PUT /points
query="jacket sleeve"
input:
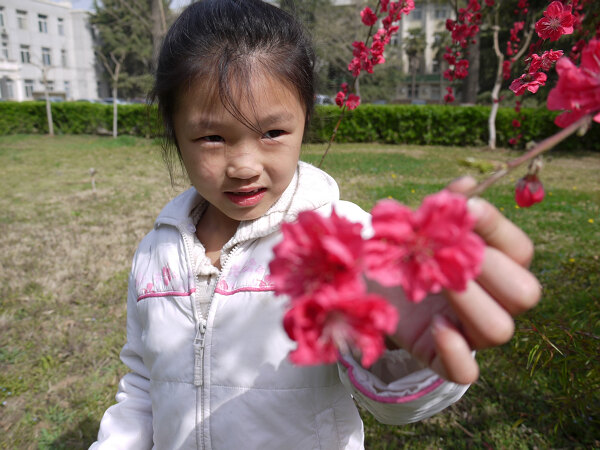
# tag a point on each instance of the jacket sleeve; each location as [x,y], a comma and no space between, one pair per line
[397,389]
[128,423]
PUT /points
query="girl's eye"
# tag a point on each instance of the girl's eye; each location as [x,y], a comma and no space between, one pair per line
[272,134]
[211,138]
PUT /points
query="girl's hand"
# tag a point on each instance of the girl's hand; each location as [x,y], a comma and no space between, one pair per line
[443,330]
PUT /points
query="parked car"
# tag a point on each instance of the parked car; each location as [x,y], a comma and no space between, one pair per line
[109,101]
[321,99]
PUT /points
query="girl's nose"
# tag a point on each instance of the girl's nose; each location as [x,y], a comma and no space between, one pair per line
[243,164]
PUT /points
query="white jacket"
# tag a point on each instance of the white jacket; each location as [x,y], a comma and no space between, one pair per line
[225,382]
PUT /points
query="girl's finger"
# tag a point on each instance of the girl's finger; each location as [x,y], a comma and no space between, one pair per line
[514,287]
[484,322]
[493,227]
[499,232]
[454,359]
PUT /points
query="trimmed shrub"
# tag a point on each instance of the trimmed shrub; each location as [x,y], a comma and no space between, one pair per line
[392,124]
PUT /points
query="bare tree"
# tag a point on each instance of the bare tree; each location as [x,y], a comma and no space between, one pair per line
[499,72]
[113,70]
[44,69]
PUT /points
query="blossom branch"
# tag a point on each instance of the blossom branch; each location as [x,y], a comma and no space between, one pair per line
[344,106]
[537,150]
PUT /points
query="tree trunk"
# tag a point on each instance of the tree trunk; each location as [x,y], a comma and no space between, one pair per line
[495,105]
[115,110]
[470,85]
[159,28]
[48,106]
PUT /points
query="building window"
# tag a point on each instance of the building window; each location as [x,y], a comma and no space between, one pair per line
[49,85]
[440,12]
[435,92]
[61,26]
[7,89]
[22,19]
[46,59]
[2,16]
[435,66]
[63,57]
[4,54]
[28,88]
[410,91]
[417,13]
[25,55]
[43,23]
[67,89]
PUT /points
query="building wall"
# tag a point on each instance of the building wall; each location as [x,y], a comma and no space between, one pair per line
[38,36]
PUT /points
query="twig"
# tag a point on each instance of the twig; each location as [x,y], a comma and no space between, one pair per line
[354,85]
[538,149]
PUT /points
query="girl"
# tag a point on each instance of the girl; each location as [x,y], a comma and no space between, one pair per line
[205,342]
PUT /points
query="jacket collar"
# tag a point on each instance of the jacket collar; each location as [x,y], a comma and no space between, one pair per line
[310,188]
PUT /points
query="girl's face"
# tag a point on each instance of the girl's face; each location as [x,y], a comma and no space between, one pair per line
[239,171]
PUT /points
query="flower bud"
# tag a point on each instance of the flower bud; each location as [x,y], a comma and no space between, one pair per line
[529,191]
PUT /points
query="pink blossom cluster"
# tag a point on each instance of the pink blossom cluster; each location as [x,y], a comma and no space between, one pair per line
[344,98]
[556,21]
[463,30]
[365,56]
[577,92]
[321,263]
[516,123]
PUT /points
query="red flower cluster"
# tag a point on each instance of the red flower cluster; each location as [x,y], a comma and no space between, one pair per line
[463,30]
[557,21]
[321,263]
[366,57]
[528,82]
[426,250]
[529,191]
[343,98]
[578,89]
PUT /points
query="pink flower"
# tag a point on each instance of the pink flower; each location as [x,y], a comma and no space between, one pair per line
[461,70]
[318,252]
[545,61]
[368,17]
[557,21]
[578,89]
[327,322]
[426,250]
[528,191]
[353,101]
[490,3]
[516,123]
[528,82]
[354,66]
[506,67]
[340,98]
[449,97]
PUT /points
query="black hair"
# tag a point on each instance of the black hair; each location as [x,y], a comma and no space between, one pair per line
[225,42]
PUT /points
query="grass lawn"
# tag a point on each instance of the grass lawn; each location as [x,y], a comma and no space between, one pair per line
[65,252]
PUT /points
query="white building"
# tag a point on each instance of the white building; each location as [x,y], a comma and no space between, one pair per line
[40,36]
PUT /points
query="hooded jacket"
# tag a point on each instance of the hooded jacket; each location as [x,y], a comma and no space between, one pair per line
[224,381]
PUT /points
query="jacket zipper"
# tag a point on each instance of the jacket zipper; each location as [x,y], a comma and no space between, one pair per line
[199,347]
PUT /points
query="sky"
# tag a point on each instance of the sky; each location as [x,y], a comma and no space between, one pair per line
[89,4]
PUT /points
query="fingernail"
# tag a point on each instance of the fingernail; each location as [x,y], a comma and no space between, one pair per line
[475,206]
[439,323]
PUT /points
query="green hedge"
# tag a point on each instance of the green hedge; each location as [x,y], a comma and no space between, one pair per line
[393,124]
[73,118]
[441,125]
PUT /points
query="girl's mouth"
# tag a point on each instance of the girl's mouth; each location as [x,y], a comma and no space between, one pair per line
[250,198]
